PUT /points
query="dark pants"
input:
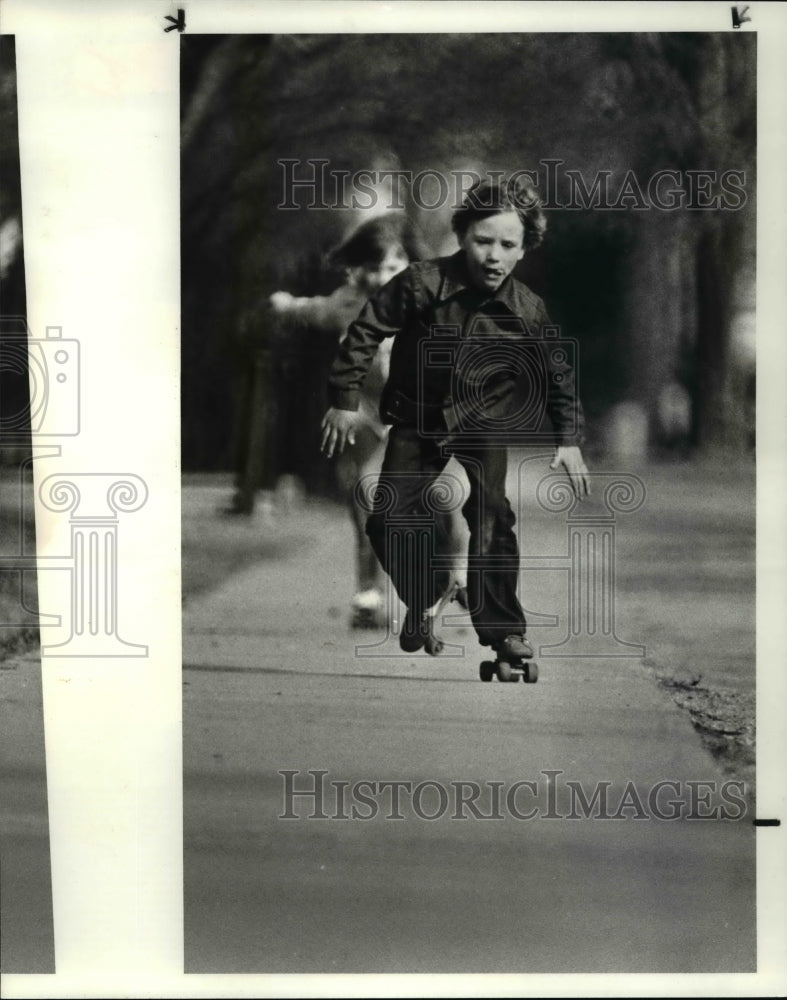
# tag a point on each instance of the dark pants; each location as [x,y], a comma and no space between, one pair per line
[405,529]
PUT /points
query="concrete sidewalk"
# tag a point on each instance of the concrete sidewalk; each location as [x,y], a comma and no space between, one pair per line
[26,926]
[274,681]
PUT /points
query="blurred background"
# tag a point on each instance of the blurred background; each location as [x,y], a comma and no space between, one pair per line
[12,278]
[14,389]
[26,922]
[661,302]
[17,529]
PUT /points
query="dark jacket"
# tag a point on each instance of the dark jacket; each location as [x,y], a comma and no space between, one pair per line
[462,359]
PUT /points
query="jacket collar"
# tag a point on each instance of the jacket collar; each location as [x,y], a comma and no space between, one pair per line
[456,280]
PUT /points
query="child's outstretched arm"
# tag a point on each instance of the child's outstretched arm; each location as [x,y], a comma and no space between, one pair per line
[568,420]
[324,313]
[570,457]
[338,429]
[382,316]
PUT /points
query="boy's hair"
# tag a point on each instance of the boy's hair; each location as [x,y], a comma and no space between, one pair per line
[368,244]
[489,197]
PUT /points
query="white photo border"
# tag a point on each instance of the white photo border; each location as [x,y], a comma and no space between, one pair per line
[99,145]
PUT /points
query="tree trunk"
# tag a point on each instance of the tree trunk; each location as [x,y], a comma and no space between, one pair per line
[722,280]
[655,311]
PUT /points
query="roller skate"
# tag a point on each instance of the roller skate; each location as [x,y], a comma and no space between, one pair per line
[367,610]
[514,660]
[418,631]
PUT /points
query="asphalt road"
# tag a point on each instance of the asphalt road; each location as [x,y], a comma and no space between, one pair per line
[274,682]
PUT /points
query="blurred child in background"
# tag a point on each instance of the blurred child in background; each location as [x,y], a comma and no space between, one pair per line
[373,254]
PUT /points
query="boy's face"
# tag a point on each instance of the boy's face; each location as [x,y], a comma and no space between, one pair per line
[492,247]
[369,279]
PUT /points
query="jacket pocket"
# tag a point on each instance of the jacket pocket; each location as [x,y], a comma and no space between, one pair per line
[398,408]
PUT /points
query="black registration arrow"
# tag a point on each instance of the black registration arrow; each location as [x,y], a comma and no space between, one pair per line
[178,22]
[739,16]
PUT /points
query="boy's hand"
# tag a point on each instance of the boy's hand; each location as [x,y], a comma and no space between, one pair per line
[571,457]
[338,428]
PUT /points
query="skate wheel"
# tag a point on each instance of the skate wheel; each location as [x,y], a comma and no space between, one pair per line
[361,620]
[486,671]
[530,674]
[504,672]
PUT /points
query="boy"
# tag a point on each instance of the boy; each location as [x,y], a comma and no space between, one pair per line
[461,407]
[371,256]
